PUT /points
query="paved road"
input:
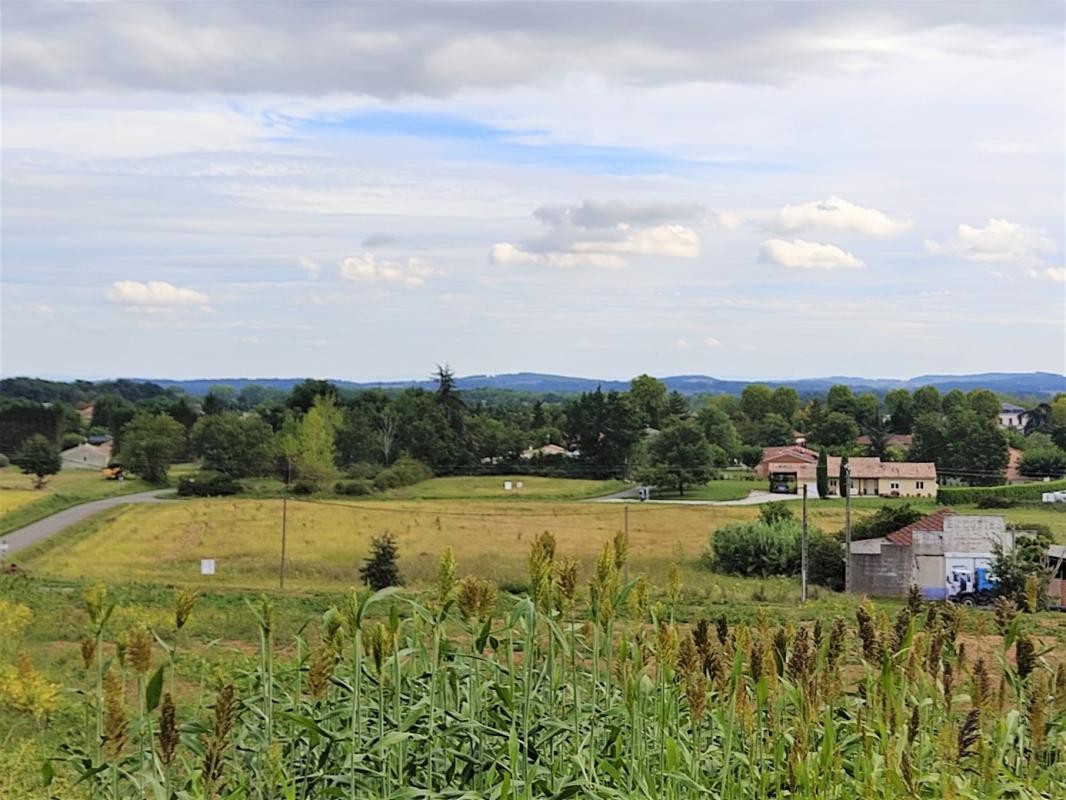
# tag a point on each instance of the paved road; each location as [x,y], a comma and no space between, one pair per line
[754,499]
[42,529]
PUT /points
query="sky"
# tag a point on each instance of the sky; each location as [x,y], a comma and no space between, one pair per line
[362,191]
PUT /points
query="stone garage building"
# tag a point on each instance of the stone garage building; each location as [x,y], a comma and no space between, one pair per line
[926,553]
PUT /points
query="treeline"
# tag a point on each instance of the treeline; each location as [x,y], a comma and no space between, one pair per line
[318,435]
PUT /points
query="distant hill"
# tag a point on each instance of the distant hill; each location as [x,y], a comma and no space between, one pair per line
[1029,384]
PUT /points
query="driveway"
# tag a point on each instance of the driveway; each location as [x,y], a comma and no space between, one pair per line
[43,528]
[754,499]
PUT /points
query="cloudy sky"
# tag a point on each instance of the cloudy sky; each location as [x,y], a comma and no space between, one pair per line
[364,190]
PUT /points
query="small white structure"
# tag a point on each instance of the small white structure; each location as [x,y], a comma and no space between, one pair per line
[1012,416]
[207,566]
[87,456]
[507,486]
[1053,497]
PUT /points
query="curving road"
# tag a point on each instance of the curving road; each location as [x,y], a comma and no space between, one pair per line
[43,528]
[755,498]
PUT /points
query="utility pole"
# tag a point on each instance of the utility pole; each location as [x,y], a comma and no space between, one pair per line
[847,526]
[803,550]
[284,520]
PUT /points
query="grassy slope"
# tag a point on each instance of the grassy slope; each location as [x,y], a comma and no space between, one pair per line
[20,505]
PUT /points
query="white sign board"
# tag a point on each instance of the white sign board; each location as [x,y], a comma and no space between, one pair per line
[519,485]
[207,566]
[507,486]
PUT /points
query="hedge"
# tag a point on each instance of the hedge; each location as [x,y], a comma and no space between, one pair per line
[208,484]
[962,495]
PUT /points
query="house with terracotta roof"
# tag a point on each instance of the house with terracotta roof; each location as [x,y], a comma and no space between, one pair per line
[940,554]
[788,468]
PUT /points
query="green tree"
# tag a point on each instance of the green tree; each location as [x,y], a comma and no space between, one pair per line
[1058,420]
[756,401]
[719,429]
[926,401]
[1043,462]
[237,446]
[303,394]
[649,398]
[313,449]
[450,399]
[679,456]
[786,402]
[841,399]
[381,570]
[954,402]
[843,481]
[150,444]
[606,427]
[676,405]
[775,431]
[867,411]
[977,449]
[930,441]
[900,407]
[836,430]
[219,399]
[1014,567]
[822,473]
[39,457]
[984,403]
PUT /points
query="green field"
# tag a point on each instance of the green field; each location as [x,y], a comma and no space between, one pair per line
[70,487]
[491,487]
[728,489]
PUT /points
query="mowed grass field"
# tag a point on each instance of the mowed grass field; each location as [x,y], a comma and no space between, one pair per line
[728,489]
[492,488]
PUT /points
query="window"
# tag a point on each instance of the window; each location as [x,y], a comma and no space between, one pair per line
[919,485]
[895,485]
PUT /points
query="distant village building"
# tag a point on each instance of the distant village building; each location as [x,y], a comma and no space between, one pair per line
[1012,416]
[547,450]
[87,456]
[941,554]
[789,468]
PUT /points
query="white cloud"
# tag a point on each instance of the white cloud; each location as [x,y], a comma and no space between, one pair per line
[838,214]
[603,234]
[157,296]
[682,344]
[808,255]
[311,267]
[249,340]
[369,269]
[711,343]
[998,240]
[1057,274]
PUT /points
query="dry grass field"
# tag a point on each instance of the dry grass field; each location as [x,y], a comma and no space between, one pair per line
[328,541]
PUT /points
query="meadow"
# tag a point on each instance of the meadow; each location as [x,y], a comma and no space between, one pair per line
[20,504]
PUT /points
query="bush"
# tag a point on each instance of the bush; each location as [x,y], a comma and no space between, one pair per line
[4,461]
[755,548]
[887,519]
[1039,462]
[362,471]
[71,440]
[1018,491]
[304,487]
[380,570]
[406,471]
[825,561]
[775,512]
[208,484]
[357,488]
[995,501]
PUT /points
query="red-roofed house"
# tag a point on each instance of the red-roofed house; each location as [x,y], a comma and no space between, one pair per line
[793,466]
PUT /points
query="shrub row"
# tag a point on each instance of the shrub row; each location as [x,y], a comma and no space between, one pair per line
[955,495]
[208,484]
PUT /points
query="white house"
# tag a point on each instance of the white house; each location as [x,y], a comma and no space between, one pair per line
[1012,416]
